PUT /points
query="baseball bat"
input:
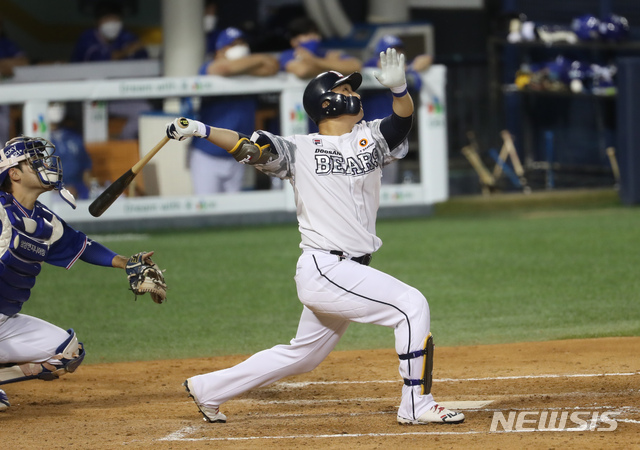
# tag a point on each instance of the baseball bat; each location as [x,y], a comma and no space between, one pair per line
[113,191]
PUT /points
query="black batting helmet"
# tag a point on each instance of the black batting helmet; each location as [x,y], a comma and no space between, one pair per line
[318,91]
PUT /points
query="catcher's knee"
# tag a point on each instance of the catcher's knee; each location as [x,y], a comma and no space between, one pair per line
[70,355]
[427,366]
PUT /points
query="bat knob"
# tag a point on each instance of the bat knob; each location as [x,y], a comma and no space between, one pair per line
[183,122]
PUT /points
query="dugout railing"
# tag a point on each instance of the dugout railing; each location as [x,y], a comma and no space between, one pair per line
[271,205]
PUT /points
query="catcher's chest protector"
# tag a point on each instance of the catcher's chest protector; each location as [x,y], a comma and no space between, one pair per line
[26,238]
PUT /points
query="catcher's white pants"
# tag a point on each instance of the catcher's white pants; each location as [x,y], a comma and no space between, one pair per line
[27,339]
[334,293]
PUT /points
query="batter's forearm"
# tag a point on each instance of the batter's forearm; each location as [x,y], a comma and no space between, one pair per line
[223,138]
[403,106]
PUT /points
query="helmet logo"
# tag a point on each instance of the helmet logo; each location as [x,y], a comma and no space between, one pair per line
[13,151]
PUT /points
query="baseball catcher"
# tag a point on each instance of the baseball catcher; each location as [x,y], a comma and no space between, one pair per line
[31,234]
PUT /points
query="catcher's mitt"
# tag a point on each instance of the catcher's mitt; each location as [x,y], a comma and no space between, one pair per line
[145,276]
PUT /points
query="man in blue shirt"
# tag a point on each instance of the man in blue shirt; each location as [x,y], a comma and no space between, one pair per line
[307,58]
[73,154]
[213,170]
[108,41]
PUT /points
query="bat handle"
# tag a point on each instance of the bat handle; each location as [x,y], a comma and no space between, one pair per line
[140,164]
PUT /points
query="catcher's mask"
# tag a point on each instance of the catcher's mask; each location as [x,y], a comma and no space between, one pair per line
[319,91]
[39,154]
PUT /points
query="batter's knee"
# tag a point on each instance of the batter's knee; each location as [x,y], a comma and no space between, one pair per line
[418,307]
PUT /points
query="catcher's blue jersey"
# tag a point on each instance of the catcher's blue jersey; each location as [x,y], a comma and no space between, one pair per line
[27,239]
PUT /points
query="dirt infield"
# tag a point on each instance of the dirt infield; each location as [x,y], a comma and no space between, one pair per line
[349,401]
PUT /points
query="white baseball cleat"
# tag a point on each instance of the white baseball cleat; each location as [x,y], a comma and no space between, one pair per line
[212,415]
[437,414]
[4,401]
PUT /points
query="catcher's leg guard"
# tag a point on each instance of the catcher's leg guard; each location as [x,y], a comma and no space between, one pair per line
[70,354]
[427,366]
[4,400]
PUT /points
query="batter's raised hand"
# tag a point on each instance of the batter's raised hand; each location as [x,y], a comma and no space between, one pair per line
[183,128]
[391,72]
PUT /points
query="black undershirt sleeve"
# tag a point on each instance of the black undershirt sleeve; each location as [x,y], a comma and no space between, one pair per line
[395,129]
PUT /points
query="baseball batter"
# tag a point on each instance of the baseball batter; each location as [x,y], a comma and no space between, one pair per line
[336,176]
[31,234]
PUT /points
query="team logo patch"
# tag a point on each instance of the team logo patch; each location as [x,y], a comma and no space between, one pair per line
[13,151]
[363,142]
[317,142]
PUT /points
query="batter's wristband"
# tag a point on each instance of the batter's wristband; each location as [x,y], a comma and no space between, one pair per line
[399,91]
[203,130]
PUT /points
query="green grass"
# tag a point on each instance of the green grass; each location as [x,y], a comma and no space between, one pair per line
[507,269]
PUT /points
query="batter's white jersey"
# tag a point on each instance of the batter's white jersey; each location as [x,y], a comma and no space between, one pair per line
[336,180]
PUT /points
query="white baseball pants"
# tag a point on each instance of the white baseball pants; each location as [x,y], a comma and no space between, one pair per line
[334,293]
[27,339]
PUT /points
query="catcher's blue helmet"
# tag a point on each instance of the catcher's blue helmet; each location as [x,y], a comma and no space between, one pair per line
[38,152]
[319,91]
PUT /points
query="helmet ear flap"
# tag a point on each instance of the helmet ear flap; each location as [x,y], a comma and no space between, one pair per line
[333,104]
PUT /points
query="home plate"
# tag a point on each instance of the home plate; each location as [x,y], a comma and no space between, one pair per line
[466,404]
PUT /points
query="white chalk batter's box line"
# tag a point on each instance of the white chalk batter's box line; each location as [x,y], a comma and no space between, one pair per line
[467,405]
[471,406]
[181,435]
[449,380]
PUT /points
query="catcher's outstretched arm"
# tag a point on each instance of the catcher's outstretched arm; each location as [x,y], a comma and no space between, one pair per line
[98,254]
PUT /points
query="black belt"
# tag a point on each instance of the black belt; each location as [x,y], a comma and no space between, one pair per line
[365,260]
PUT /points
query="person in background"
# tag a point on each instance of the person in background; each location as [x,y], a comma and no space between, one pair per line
[109,41]
[307,58]
[379,102]
[210,24]
[418,64]
[213,170]
[72,152]
[10,56]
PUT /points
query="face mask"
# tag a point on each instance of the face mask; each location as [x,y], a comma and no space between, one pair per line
[209,23]
[237,52]
[110,30]
[55,112]
[312,45]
